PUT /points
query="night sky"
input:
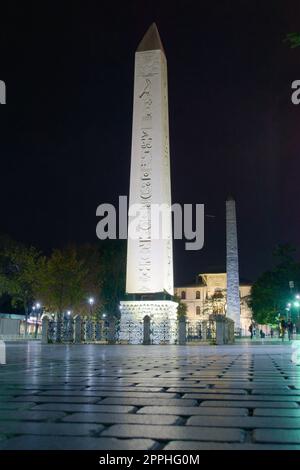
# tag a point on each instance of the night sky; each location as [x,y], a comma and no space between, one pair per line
[65,133]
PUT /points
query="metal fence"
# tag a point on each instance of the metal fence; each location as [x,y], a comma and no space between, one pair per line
[216,330]
[200,331]
[79,330]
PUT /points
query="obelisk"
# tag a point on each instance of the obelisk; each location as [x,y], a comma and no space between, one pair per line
[150,315]
[232,264]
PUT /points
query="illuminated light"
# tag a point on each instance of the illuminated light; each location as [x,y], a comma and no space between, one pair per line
[296,304]
[38,305]
[91,300]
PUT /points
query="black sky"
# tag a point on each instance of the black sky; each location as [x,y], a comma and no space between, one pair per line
[65,133]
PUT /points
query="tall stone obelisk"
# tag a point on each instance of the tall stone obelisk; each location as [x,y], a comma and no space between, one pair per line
[232,264]
[150,315]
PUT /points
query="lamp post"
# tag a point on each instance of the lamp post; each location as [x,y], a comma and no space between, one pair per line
[37,308]
[297,305]
[91,303]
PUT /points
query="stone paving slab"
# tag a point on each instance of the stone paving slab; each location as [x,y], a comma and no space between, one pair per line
[290,436]
[30,415]
[247,422]
[293,413]
[108,393]
[242,397]
[210,391]
[167,433]
[121,418]
[195,410]
[76,407]
[53,399]
[49,429]
[15,406]
[153,401]
[196,445]
[250,404]
[76,443]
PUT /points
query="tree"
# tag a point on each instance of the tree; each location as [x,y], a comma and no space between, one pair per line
[112,275]
[293,39]
[271,291]
[62,285]
[89,254]
[21,268]
[181,309]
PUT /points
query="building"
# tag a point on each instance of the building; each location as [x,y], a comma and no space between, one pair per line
[207,296]
[10,325]
[13,326]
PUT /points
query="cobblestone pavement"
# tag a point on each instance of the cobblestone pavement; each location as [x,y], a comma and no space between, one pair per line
[149,397]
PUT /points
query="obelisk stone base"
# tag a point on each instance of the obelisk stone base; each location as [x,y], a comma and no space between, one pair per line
[163,321]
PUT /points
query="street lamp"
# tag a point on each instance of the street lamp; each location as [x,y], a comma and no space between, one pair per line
[297,304]
[37,307]
[91,302]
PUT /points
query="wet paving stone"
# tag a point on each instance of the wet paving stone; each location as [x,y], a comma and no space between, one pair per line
[158,397]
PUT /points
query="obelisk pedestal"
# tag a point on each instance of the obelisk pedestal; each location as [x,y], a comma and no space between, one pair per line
[232,265]
[149,315]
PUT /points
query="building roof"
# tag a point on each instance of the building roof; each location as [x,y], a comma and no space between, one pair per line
[12,316]
[243,282]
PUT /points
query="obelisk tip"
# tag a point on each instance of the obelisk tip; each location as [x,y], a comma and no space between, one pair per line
[151,40]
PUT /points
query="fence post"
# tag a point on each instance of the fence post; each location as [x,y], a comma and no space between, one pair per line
[204,330]
[59,328]
[111,337]
[77,329]
[45,328]
[182,331]
[220,332]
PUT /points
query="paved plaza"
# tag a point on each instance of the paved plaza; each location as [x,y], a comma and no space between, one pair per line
[149,397]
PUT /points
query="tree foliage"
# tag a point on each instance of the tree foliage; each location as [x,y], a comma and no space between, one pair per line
[113,275]
[181,309]
[66,279]
[62,285]
[293,39]
[20,272]
[271,292]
